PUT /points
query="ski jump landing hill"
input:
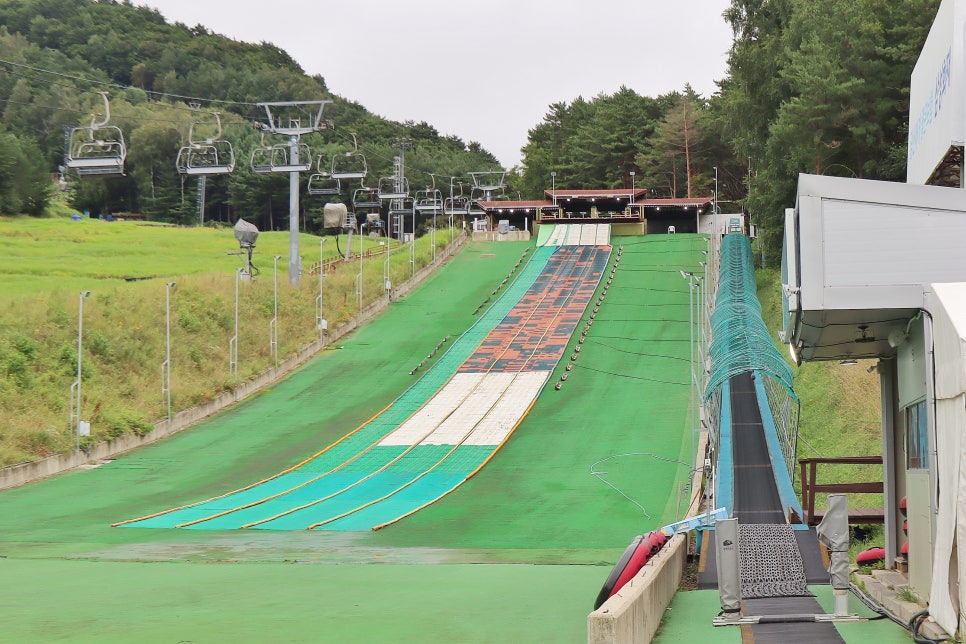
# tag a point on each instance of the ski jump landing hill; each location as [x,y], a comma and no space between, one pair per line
[444,428]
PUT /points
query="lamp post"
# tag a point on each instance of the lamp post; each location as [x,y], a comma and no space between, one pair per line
[714,217]
[452,207]
[166,365]
[689,277]
[433,235]
[359,290]
[701,337]
[273,325]
[553,187]
[233,343]
[75,388]
[387,269]
[702,307]
[320,316]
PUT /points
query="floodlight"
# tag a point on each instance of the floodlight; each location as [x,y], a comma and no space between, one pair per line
[246,234]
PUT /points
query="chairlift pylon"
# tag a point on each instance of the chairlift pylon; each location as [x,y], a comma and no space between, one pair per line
[97,149]
[401,211]
[294,118]
[489,180]
[350,165]
[209,156]
[486,183]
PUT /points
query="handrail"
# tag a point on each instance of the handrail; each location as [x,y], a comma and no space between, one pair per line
[809,468]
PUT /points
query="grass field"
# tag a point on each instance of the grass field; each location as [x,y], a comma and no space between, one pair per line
[125,266]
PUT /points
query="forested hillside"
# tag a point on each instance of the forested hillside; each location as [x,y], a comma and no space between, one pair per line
[814,86]
[818,86]
[56,55]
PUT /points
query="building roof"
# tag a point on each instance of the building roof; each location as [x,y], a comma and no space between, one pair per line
[561,193]
[523,205]
[677,203]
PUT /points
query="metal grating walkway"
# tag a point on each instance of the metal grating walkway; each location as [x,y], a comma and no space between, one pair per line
[771,563]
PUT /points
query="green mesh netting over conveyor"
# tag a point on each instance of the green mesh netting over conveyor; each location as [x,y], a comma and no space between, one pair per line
[740,341]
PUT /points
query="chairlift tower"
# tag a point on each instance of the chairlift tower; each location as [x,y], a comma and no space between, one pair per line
[292,119]
[486,183]
[398,205]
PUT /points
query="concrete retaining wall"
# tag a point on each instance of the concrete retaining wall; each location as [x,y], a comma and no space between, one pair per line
[633,614]
[22,473]
[492,235]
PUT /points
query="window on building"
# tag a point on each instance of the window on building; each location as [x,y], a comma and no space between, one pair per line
[917,442]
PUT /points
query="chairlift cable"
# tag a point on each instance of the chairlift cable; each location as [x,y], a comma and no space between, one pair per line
[120,86]
[20,69]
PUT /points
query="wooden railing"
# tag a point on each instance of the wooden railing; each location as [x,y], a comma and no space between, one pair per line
[810,487]
[335,262]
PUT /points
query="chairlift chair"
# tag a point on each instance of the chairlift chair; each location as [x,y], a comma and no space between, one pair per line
[276,158]
[322,183]
[261,161]
[365,199]
[455,206]
[350,165]
[283,161]
[393,188]
[473,208]
[429,202]
[486,193]
[374,223]
[97,149]
[206,156]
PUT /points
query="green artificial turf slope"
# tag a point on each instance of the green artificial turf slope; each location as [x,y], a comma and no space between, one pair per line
[81,601]
[622,408]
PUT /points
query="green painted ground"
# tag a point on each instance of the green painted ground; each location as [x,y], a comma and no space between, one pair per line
[690,613]
[622,413]
[180,602]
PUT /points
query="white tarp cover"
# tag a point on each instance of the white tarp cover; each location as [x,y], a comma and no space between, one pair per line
[948,308]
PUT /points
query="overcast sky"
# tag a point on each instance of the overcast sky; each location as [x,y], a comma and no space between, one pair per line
[482,70]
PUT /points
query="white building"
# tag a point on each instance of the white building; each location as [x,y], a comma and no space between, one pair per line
[878,270]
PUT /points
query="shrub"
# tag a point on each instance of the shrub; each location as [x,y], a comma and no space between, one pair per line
[116,425]
[24,345]
[17,367]
[39,441]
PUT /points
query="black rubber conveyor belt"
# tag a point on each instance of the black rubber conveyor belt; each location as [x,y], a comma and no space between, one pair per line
[757,501]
